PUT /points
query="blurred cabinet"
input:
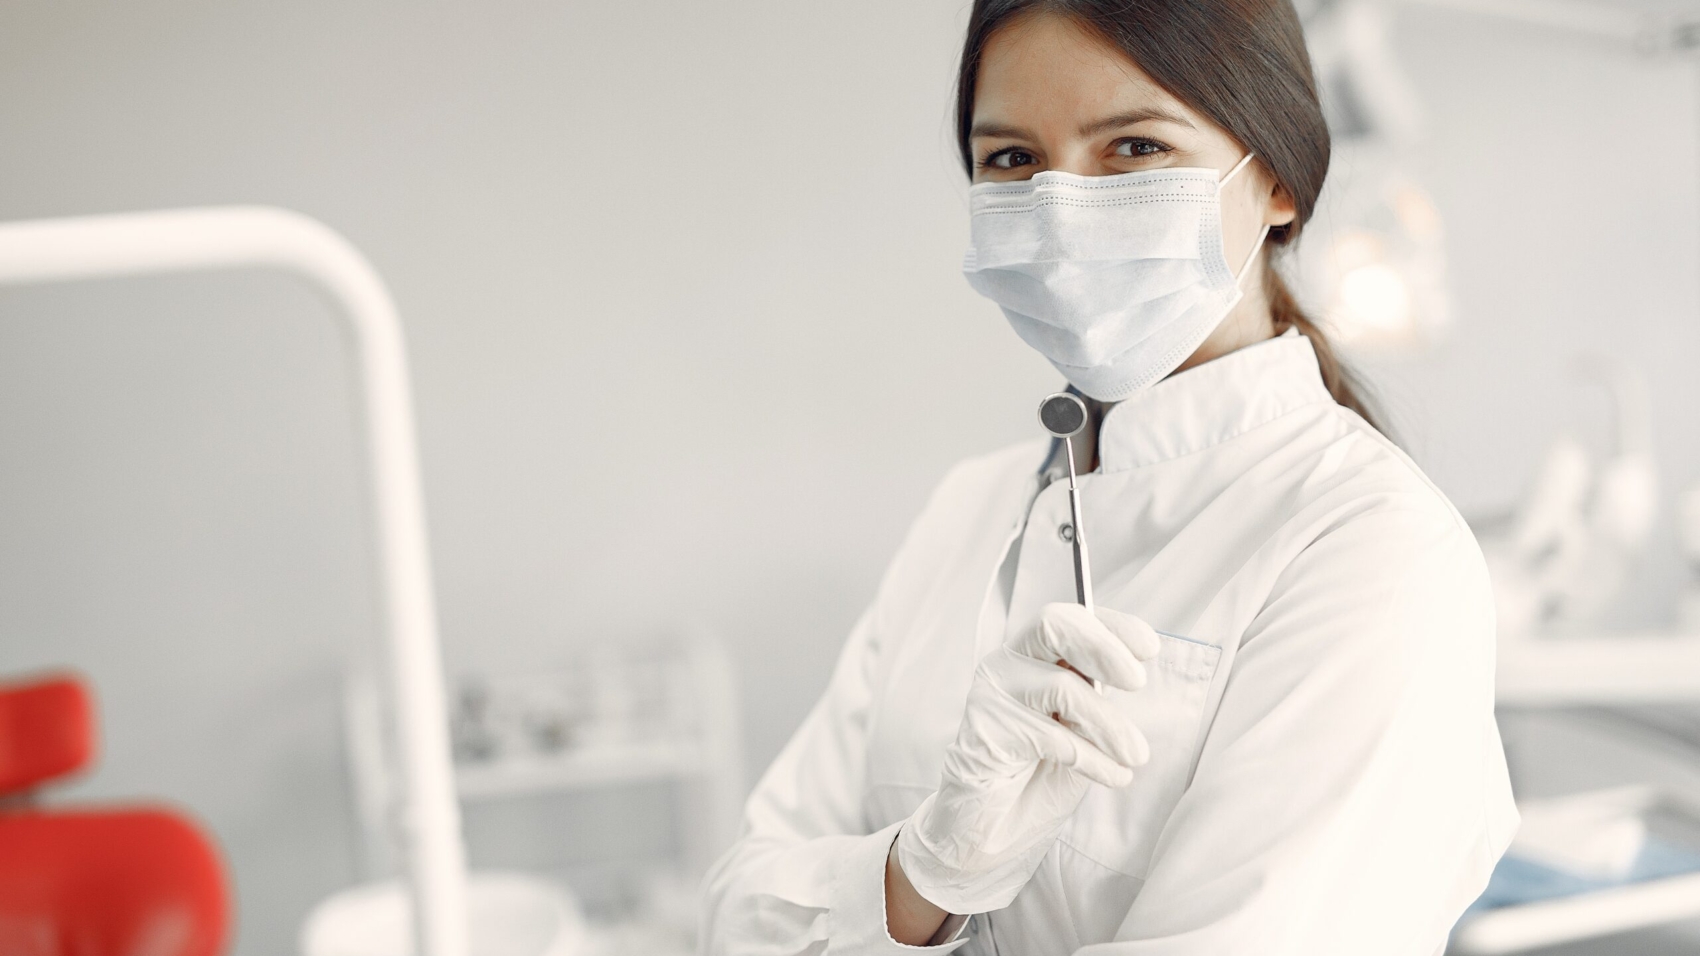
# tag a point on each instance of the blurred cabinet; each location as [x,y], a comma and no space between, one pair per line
[614,716]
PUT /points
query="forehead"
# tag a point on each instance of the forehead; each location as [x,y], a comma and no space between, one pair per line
[1044,65]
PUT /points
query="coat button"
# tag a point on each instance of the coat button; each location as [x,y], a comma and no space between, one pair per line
[1065,531]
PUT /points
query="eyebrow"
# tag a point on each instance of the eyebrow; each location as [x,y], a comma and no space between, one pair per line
[998,132]
[1093,128]
[1131,117]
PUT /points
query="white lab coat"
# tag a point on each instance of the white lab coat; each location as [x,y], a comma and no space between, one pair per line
[1326,777]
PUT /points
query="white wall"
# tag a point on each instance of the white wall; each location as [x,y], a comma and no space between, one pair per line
[690,344]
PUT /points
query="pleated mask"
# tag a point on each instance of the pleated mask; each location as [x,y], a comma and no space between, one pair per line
[1114,279]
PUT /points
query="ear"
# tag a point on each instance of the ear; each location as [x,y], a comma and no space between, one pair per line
[1280,210]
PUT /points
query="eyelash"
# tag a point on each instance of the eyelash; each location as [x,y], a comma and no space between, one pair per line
[989,161]
[1136,141]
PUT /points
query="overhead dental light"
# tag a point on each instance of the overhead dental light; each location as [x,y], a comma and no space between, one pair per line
[1373,265]
[1376,263]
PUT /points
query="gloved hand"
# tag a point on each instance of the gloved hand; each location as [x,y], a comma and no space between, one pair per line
[1034,737]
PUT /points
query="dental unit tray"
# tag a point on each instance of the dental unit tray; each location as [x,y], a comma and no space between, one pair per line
[1533,903]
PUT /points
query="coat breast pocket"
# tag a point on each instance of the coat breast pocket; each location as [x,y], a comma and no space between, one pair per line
[1118,828]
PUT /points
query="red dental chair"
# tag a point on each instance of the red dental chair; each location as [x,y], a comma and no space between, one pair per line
[93,881]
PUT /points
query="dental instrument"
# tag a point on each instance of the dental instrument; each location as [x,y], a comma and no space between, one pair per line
[1064,416]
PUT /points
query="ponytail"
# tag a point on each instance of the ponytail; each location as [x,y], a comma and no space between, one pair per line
[1286,313]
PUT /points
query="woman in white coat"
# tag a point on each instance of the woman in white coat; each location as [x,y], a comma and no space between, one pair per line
[1294,750]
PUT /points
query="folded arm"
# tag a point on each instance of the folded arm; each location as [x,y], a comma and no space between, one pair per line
[1351,795]
[804,877]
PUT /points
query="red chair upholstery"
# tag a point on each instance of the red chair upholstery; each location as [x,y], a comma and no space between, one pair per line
[119,881]
[46,731]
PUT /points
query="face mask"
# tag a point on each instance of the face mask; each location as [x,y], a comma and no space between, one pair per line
[1115,279]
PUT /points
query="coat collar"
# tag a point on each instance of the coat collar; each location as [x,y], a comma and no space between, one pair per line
[1208,404]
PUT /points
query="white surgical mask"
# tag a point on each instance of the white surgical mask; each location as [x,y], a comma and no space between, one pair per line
[1115,279]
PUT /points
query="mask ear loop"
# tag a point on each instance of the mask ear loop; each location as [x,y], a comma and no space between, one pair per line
[1258,245]
[1255,249]
[1243,163]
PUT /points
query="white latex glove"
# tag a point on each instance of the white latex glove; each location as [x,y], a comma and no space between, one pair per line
[1034,736]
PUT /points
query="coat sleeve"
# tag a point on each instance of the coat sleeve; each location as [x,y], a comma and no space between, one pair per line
[805,876]
[1351,796]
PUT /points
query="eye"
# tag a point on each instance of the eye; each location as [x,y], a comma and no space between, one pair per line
[1134,148]
[1010,157]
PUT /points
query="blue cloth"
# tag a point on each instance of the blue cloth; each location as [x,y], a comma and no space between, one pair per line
[1516,880]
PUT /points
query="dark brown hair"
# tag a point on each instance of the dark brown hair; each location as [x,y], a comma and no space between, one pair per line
[1243,64]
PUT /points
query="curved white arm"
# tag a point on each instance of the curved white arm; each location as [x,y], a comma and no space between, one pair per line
[94,247]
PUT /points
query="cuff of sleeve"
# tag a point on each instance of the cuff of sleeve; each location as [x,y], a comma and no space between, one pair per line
[857,914]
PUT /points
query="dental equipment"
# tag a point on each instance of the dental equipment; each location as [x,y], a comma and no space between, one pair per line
[1570,547]
[201,240]
[1064,416]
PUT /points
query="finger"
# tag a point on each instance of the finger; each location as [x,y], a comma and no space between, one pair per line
[1049,691]
[1065,665]
[1140,637]
[1071,632]
[1056,743]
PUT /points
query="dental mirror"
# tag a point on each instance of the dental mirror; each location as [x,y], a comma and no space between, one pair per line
[1064,416]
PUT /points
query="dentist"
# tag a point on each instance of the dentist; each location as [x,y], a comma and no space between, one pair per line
[1294,751]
